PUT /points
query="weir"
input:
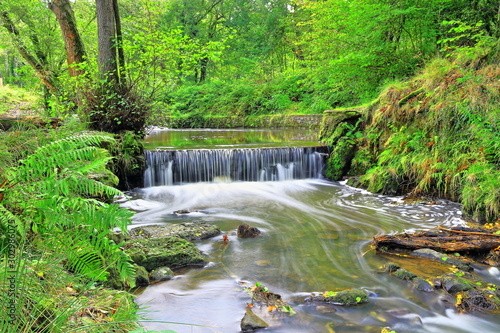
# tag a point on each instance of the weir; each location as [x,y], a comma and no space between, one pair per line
[172,167]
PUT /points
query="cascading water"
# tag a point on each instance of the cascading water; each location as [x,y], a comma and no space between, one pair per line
[169,167]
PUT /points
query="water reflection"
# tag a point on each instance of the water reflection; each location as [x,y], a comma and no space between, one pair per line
[316,237]
[227,138]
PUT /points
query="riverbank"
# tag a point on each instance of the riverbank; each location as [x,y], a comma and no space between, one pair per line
[436,135]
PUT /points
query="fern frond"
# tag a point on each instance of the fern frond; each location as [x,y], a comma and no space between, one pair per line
[8,219]
[92,254]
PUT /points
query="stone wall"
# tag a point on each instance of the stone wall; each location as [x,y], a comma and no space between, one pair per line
[279,121]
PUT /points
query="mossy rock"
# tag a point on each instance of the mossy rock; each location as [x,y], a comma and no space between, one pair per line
[346,297]
[391,267]
[141,276]
[170,251]
[190,231]
[455,284]
[405,274]
[162,274]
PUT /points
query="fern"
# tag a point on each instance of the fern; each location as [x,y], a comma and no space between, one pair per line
[53,195]
[8,219]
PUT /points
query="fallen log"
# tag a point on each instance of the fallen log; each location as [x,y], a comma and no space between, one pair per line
[443,243]
[7,121]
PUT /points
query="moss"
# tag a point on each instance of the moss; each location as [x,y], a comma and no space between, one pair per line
[404,274]
[346,297]
[454,284]
[171,251]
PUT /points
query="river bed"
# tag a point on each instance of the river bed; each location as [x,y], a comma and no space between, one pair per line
[315,237]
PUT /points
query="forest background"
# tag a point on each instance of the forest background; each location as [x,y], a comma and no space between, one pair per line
[116,66]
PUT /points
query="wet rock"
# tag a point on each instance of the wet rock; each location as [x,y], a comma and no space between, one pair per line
[455,284]
[391,267]
[325,309]
[441,257]
[170,251]
[422,285]
[182,212]
[141,276]
[246,231]
[190,231]
[252,322]
[405,274]
[162,274]
[402,273]
[478,300]
[344,297]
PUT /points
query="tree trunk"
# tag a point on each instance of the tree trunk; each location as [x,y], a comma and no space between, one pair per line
[106,31]
[75,51]
[119,43]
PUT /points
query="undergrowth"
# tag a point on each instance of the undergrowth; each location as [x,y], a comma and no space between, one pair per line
[439,135]
[288,94]
[56,258]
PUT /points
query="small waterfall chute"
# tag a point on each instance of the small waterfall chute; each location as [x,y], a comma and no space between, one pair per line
[171,167]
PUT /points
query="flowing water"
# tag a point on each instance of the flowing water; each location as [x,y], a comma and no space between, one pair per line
[315,237]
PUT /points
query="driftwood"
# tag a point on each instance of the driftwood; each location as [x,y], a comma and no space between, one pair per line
[7,121]
[447,240]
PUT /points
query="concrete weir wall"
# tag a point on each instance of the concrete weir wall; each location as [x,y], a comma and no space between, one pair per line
[312,121]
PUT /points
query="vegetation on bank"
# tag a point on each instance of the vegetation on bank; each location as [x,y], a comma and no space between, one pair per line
[54,221]
[434,135]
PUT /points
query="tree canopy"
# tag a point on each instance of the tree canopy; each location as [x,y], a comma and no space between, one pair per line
[253,56]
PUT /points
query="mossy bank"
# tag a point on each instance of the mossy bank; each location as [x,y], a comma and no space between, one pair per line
[435,135]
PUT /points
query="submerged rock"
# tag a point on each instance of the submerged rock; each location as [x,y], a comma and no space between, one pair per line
[170,251]
[443,258]
[246,231]
[404,274]
[190,231]
[252,322]
[162,274]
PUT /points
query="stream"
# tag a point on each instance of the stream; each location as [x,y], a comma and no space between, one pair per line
[315,237]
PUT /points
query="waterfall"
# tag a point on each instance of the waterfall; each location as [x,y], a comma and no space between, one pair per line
[171,167]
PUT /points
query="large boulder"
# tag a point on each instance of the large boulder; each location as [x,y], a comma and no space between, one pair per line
[172,252]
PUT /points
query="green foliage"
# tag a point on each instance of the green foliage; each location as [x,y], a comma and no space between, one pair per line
[17,99]
[40,296]
[53,192]
[442,141]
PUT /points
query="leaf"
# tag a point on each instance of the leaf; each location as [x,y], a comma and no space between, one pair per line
[288,309]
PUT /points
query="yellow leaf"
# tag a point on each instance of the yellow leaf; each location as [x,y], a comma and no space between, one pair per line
[271,308]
